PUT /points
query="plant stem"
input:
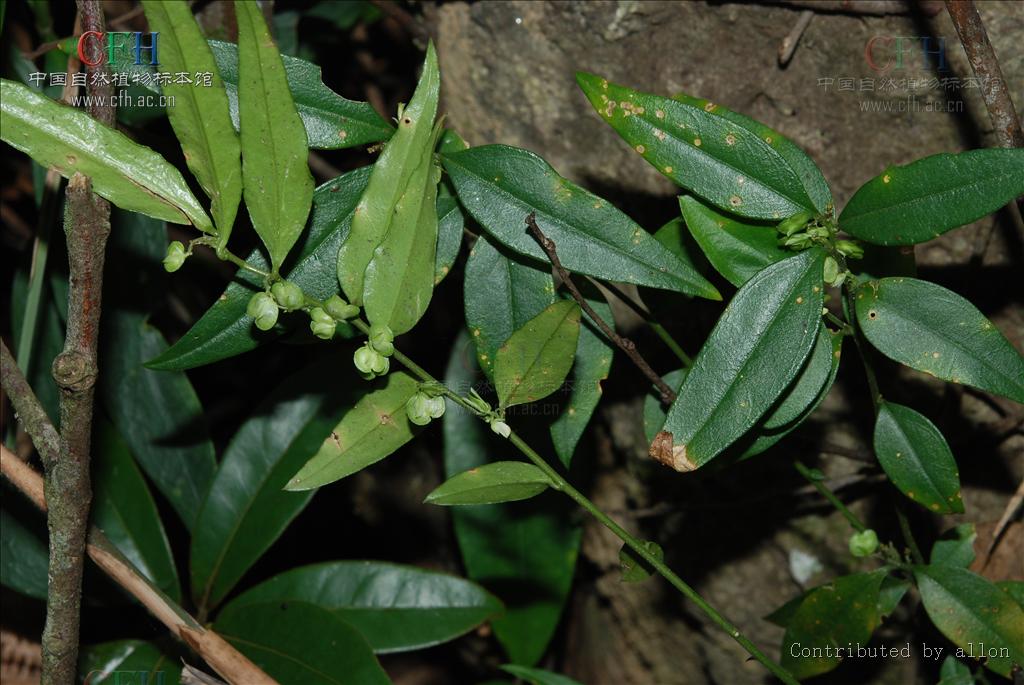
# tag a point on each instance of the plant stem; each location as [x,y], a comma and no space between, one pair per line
[908,536]
[229,256]
[831,497]
[655,326]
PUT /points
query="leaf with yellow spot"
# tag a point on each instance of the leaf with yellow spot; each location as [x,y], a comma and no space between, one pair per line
[500,481]
[535,360]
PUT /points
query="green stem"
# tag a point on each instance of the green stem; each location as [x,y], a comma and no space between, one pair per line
[908,536]
[648,317]
[229,256]
[830,496]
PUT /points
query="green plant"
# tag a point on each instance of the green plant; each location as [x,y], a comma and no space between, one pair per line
[357,261]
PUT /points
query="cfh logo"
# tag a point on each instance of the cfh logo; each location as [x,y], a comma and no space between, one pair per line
[124,678]
[97,47]
[885,53]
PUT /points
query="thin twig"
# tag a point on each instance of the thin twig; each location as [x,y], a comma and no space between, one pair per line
[28,410]
[220,655]
[792,39]
[645,313]
[825,492]
[668,395]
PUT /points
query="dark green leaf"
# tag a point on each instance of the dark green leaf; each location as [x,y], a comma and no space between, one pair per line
[225,330]
[450,223]
[330,120]
[806,387]
[396,608]
[654,410]
[737,250]
[123,508]
[973,614]
[955,547]
[370,430]
[634,568]
[130,175]
[880,261]
[917,459]
[501,185]
[298,643]
[23,557]
[753,354]
[275,172]
[955,673]
[247,510]
[523,552]
[199,115]
[536,358]
[128,661]
[537,676]
[922,200]
[843,612]
[1014,588]
[890,594]
[936,331]
[500,481]
[735,163]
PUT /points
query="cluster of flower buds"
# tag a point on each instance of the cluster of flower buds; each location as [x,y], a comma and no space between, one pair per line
[340,309]
[372,359]
[849,249]
[288,296]
[263,309]
[176,256]
[423,407]
[864,543]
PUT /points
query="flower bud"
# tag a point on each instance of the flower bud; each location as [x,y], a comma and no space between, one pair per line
[382,339]
[436,407]
[798,241]
[850,249]
[340,309]
[364,359]
[831,271]
[417,408]
[863,543]
[288,295]
[794,223]
[321,323]
[263,309]
[501,428]
[175,256]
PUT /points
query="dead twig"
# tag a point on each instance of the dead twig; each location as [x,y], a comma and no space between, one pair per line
[789,43]
[668,395]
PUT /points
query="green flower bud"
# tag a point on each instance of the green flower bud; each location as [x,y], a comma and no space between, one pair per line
[798,241]
[382,339]
[175,256]
[263,309]
[364,359]
[436,407]
[478,403]
[863,543]
[850,249]
[501,428]
[322,324]
[340,309]
[794,223]
[831,271]
[417,408]
[288,295]
[818,232]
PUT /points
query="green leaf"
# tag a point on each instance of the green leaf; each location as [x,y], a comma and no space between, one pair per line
[500,481]
[843,612]
[753,354]
[917,459]
[130,175]
[737,164]
[537,676]
[24,559]
[298,643]
[592,365]
[891,594]
[275,172]
[128,661]
[806,387]
[956,547]
[247,510]
[536,358]
[955,673]
[525,552]
[330,120]
[370,430]
[199,115]
[225,330]
[396,608]
[654,410]
[1014,588]
[404,167]
[973,614]
[737,250]
[500,185]
[450,223]
[934,330]
[501,294]
[634,568]
[157,413]
[924,199]
[123,508]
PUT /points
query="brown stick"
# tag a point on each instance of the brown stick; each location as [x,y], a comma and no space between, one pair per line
[668,395]
[28,410]
[220,655]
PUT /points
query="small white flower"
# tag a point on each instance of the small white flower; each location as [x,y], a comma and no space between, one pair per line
[501,428]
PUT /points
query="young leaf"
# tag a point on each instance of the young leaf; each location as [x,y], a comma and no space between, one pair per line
[123,508]
[536,358]
[500,481]
[537,676]
[525,552]
[247,510]
[738,165]
[372,429]
[108,662]
[917,459]
[973,614]
[936,331]
[753,354]
[737,250]
[500,185]
[924,199]
[501,293]
[24,558]
[843,612]
[955,547]
[634,568]
[409,149]
[199,116]
[396,608]
[275,172]
[450,224]
[130,175]
[330,120]
[298,642]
